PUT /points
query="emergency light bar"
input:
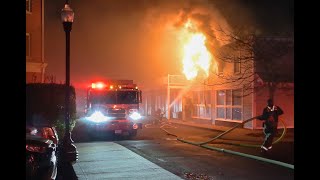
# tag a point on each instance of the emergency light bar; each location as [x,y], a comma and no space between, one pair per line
[98,85]
[101,85]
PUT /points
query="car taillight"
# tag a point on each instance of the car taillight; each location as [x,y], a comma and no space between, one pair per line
[49,134]
[35,148]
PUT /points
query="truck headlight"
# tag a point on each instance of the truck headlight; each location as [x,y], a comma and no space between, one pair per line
[97,117]
[135,116]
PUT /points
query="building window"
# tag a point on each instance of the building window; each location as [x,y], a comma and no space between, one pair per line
[229,104]
[236,67]
[236,64]
[202,104]
[28,43]
[220,68]
[207,97]
[28,6]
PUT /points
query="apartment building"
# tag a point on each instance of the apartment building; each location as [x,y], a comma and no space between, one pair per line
[237,91]
[35,63]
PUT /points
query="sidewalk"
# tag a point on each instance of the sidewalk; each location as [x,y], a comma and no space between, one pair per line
[108,160]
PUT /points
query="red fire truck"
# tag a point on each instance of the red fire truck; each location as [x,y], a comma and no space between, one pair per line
[113,106]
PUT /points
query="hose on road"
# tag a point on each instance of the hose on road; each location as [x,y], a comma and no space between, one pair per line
[203,144]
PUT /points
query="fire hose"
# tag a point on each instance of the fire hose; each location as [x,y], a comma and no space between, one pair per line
[203,144]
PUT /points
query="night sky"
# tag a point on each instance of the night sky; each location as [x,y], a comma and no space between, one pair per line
[135,39]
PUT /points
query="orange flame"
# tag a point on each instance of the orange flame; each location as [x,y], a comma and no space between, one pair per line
[196,56]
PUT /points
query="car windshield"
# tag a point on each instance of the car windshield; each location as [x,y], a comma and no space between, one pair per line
[127,97]
[45,132]
[32,131]
[114,97]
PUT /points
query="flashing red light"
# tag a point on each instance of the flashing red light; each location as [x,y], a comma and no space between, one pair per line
[98,85]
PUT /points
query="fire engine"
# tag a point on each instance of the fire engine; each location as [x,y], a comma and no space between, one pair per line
[113,106]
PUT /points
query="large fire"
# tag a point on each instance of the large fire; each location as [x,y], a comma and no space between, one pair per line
[196,56]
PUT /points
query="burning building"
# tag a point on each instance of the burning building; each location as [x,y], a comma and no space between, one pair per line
[229,84]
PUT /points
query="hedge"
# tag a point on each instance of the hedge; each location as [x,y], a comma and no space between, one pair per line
[45,105]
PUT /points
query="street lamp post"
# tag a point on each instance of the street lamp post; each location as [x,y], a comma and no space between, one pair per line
[69,152]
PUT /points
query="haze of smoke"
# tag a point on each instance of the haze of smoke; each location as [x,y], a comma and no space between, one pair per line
[132,39]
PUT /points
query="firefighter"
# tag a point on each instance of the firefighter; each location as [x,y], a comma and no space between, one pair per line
[158,116]
[270,117]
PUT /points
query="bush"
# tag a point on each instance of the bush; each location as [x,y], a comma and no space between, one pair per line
[45,105]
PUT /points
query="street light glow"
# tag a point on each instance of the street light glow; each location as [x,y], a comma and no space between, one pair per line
[67,14]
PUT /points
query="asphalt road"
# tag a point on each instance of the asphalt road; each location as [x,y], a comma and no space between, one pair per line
[193,162]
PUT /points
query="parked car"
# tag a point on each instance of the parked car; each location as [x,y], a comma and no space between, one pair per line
[41,152]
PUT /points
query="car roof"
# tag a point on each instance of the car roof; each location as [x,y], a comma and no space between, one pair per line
[37,139]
